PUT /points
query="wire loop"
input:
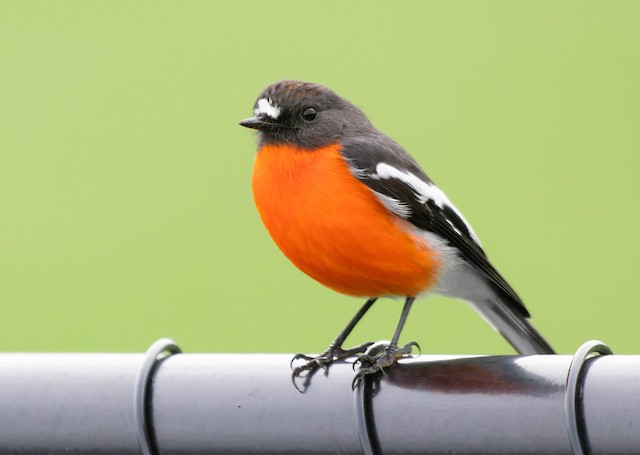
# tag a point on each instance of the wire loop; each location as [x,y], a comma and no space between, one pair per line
[141,392]
[574,417]
[364,422]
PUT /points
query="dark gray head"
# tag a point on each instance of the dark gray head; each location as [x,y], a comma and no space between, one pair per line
[304,115]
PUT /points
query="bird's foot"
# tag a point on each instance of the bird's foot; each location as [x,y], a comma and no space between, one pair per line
[323,360]
[380,356]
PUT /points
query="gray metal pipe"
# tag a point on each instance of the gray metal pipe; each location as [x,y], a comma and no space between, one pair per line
[245,403]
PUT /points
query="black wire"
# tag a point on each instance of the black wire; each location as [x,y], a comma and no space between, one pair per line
[573,406]
[141,398]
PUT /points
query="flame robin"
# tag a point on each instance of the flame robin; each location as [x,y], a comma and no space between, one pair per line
[354,211]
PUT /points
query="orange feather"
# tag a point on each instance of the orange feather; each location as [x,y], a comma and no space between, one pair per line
[334,229]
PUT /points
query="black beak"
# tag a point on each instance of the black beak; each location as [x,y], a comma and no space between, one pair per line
[261,123]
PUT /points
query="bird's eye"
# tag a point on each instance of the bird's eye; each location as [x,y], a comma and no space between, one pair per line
[309,114]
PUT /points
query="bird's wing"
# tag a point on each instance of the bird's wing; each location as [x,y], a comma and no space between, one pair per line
[405,190]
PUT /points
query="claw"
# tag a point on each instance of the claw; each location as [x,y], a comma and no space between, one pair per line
[360,361]
[412,344]
[324,360]
[321,364]
[293,381]
[298,357]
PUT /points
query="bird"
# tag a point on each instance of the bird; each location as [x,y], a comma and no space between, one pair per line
[353,210]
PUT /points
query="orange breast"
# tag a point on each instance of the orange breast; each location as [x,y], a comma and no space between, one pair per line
[333,228]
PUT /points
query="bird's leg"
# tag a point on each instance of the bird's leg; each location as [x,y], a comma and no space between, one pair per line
[334,351]
[370,364]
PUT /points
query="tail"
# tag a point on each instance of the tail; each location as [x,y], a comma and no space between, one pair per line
[513,327]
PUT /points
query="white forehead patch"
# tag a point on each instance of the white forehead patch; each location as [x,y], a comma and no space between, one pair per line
[267,107]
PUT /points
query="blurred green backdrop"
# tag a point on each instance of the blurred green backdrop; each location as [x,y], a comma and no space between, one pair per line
[125,192]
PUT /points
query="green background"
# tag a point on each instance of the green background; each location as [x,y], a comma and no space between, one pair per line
[126,208]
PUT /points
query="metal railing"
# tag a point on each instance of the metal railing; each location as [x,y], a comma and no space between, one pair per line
[245,403]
